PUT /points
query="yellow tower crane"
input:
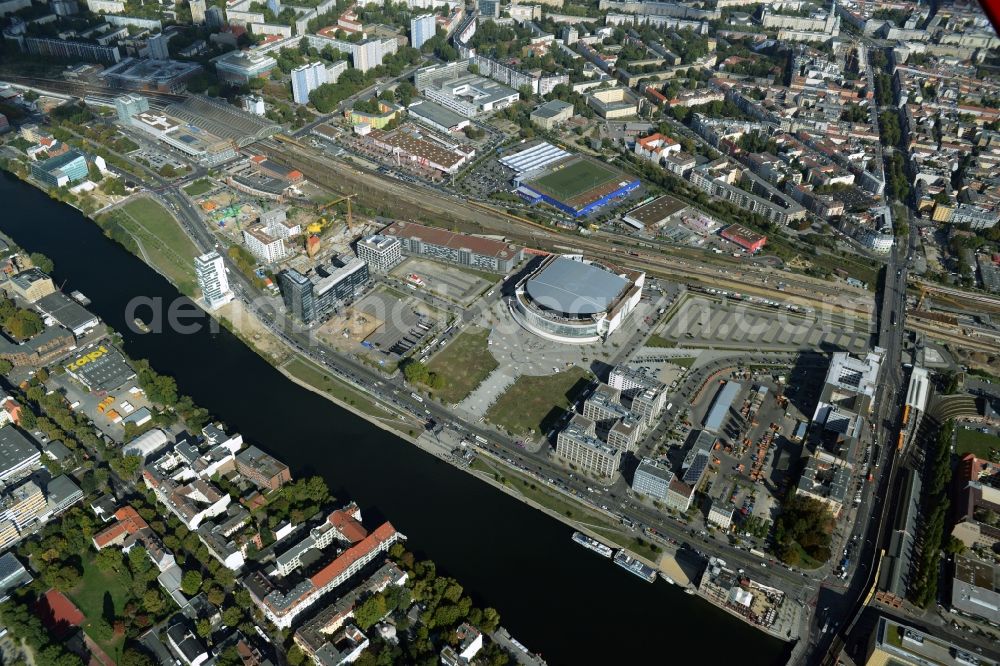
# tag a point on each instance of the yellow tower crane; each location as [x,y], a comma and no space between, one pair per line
[347,198]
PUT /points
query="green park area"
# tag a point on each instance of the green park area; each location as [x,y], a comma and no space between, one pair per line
[101,597]
[978,443]
[463,365]
[535,404]
[198,187]
[161,240]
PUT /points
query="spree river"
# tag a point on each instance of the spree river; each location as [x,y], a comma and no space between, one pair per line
[560,600]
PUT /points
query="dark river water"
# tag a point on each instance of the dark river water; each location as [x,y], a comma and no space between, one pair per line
[557,598]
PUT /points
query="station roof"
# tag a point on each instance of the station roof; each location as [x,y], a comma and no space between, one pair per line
[574,287]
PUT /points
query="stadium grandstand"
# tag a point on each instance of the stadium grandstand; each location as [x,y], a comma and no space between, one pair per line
[538,156]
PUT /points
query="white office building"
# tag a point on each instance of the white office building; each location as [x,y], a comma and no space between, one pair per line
[381,253]
[422,28]
[305,79]
[211,272]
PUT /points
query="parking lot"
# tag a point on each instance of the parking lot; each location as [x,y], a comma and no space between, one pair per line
[705,321]
[448,282]
[405,322]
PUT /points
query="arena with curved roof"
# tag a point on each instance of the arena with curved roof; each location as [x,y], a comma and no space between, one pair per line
[575,300]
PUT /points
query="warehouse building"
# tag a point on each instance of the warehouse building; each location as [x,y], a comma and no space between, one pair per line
[63,310]
[102,368]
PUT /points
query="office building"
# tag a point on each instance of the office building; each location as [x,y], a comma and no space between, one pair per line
[577,444]
[210,270]
[896,644]
[975,588]
[158,47]
[381,253]
[65,169]
[461,249]
[263,470]
[422,28]
[240,67]
[489,8]
[305,79]
[314,297]
[197,11]
[17,454]
[12,575]
[471,95]
[654,479]
[130,105]
[215,18]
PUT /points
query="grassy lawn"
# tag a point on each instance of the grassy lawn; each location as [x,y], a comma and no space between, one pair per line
[975,442]
[89,596]
[657,341]
[165,243]
[463,364]
[537,403]
[199,186]
[315,376]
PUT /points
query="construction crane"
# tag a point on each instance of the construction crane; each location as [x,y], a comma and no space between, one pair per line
[347,198]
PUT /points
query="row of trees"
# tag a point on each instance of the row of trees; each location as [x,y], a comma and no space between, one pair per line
[937,477]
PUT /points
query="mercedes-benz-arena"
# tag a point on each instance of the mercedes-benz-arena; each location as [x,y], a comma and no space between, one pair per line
[574,300]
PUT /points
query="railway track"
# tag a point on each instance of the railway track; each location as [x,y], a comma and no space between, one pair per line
[351,179]
[81,89]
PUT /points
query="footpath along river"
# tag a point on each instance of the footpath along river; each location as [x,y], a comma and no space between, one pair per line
[560,600]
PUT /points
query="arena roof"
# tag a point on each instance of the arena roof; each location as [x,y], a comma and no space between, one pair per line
[575,288]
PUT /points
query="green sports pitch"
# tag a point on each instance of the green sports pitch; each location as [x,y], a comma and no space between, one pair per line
[575,178]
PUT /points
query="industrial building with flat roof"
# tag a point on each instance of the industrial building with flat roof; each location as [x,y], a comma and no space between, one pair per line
[100,368]
[67,313]
[654,213]
[460,249]
[550,114]
[748,239]
[411,146]
[573,300]
[722,402]
[437,116]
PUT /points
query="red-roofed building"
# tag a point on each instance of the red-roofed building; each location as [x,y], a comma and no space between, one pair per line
[347,524]
[282,606]
[11,411]
[749,240]
[655,147]
[128,522]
